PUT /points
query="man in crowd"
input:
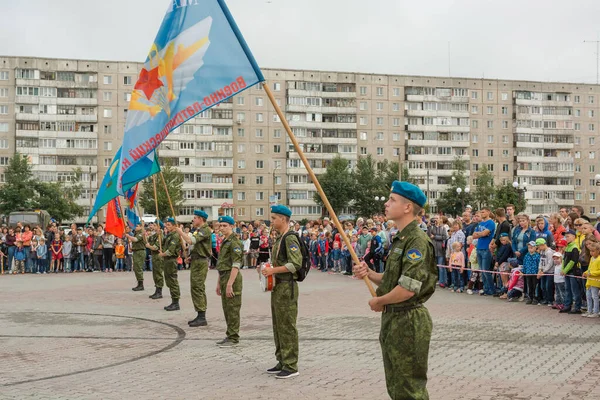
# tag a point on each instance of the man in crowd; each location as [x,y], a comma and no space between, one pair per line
[170,250]
[484,233]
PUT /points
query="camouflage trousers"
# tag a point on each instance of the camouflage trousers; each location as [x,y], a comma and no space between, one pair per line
[198,271]
[284,312]
[157,270]
[404,340]
[231,306]
[170,271]
[139,261]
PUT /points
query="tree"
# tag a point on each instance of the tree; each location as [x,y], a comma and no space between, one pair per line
[405,176]
[485,190]
[174,180]
[507,194]
[17,192]
[337,183]
[388,172]
[450,202]
[367,187]
[59,199]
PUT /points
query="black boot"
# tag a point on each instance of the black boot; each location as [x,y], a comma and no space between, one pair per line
[157,294]
[139,287]
[174,306]
[200,320]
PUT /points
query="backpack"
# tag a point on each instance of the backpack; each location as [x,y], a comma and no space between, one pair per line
[305,267]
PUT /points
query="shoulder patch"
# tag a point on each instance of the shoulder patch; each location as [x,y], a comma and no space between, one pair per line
[398,250]
[237,250]
[414,255]
[294,247]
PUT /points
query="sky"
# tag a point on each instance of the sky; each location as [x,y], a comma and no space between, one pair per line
[501,39]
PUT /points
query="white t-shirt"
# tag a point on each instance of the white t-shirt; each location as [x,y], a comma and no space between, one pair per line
[558,278]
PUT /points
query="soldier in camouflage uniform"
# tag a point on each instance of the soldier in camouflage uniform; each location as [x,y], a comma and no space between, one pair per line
[138,247]
[154,242]
[408,282]
[284,297]
[170,251]
[229,285]
[199,255]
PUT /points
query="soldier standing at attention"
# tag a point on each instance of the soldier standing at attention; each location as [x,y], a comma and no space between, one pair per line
[229,285]
[286,259]
[171,246]
[139,255]
[407,282]
[200,255]
[157,261]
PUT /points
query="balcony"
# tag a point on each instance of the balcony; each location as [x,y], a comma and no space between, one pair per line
[435,157]
[429,98]
[336,141]
[27,100]
[67,84]
[437,128]
[331,95]
[28,82]
[67,101]
[543,145]
[427,113]
[546,174]
[323,125]
[436,143]
[19,116]
[324,110]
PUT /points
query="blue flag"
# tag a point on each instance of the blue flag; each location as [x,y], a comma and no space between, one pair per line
[198,59]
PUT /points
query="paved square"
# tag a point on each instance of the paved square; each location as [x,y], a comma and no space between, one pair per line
[88,336]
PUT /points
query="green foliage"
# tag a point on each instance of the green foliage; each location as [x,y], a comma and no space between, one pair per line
[405,176]
[367,187]
[450,202]
[174,180]
[337,183]
[485,190]
[17,192]
[507,194]
[23,191]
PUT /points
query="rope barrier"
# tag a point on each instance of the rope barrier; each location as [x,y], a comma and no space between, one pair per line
[508,273]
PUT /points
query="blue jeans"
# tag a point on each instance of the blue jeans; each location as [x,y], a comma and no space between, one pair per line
[41,265]
[547,285]
[592,300]
[484,259]
[28,264]
[572,292]
[560,293]
[457,280]
[11,255]
[443,272]
[119,266]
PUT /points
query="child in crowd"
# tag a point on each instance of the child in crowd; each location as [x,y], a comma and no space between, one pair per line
[323,252]
[571,267]
[56,250]
[474,285]
[504,252]
[66,251]
[20,257]
[559,281]
[336,257]
[41,253]
[246,247]
[593,282]
[457,264]
[313,250]
[516,283]
[33,256]
[531,264]
[120,255]
[545,272]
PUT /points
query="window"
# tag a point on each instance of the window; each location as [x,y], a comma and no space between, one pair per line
[504,138]
[3,92]
[490,95]
[107,96]
[259,180]
[276,148]
[127,97]
[241,164]
[363,106]
[490,110]
[592,141]
[3,126]
[258,133]
[3,110]
[396,92]
[592,155]
[277,87]
[577,154]
[260,212]
[3,75]
[241,196]
[504,97]
[473,95]
[277,133]
[258,101]
[127,80]
[241,132]
[241,180]
[379,106]
[379,136]
[379,91]
[474,109]
[591,99]
[107,80]
[259,148]
[259,117]
[592,209]
[240,101]
[490,124]
[380,151]
[260,196]
[505,153]
[107,146]
[504,110]
[592,168]
[577,126]
[363,121]
[578,113]
[363,151]
[475,153]
[107,129]
[475,124]
[395,106]
[363,90]
[591,127]
[379,121]
[577,99]
[108,113]
[490,167]
[241,148]
[396,121]
[592,196]
[474,138]
[504,124]
[591,113]
[363,136]
[490,153]
[395,136]
[490,139]
[260,164]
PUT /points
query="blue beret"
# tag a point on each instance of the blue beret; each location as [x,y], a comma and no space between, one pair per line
[201,214]
[171,220]
[410,192]
[160,223]
[226,219]
[570,232]
[281,209]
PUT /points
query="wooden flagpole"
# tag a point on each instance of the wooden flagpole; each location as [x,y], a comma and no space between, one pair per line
[172,209]
[157,217]
[316,183]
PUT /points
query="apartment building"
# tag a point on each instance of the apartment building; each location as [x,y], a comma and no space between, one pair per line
[236,158]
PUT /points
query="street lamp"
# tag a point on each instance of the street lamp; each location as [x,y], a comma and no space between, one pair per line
[521,188]
[466,190]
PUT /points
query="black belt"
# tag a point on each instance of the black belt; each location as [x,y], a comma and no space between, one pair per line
[398,308]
